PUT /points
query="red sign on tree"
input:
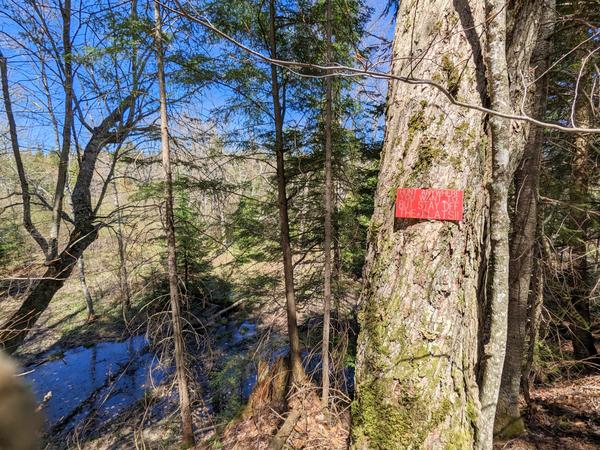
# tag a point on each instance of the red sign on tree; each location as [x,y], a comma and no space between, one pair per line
[437,204]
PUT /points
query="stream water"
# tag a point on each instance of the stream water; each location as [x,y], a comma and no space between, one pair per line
[98,381]
[94,384]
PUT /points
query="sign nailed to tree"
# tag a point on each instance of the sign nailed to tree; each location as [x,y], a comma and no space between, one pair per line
[437,204]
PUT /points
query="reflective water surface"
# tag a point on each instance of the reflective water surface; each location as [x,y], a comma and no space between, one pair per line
[95,382]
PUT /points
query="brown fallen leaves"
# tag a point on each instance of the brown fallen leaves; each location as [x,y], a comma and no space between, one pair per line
[270,403]
[565,415]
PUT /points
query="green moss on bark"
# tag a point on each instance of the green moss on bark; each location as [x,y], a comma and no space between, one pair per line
[400,422]
[507,427]
[417,122]
[452,75]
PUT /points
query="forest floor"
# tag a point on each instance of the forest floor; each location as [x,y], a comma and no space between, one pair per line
[237,341]
[564,415]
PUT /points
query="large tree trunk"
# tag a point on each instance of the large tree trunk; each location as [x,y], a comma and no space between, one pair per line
[282,204]
[521,270]
[180,363]
[417,348]
[403,298]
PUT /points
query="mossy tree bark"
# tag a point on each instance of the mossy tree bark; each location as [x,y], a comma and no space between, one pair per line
[423,333]
[417,350]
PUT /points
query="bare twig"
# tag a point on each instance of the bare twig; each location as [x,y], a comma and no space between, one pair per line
[347,71]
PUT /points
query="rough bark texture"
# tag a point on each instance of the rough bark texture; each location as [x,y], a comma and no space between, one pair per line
[282,204]
[417,349]
[521,270]
[89,301]
[180,364]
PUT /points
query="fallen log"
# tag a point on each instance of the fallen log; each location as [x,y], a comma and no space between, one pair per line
[285,431]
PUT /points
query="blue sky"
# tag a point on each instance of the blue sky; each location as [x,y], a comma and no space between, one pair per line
[29,101]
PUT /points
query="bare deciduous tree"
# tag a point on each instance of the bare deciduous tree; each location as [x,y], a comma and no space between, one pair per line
[114,120]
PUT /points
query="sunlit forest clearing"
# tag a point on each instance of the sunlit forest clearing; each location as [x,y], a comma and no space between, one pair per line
[299,224]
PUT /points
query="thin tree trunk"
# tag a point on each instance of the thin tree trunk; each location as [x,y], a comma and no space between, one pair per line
[123,274]
[186,269]
[63,162]
[86,291]
[508,420]
[180,364]
[296,368]
[536,300]
[500,135]
[14,141]
[580,317]
[222,222]
[328,227]
[508,57]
